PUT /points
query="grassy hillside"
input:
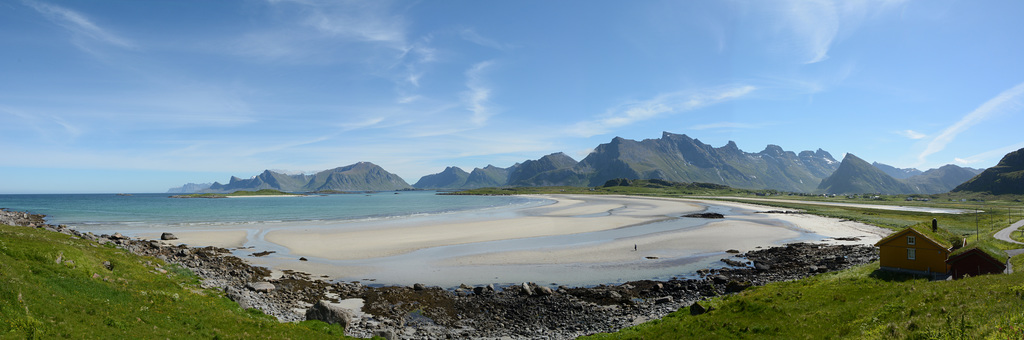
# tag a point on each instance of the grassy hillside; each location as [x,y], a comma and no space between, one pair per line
[56,286]
[860,303]
[864,302]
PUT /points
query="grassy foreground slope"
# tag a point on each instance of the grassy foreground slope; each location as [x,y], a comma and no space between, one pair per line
[55,286]
[859,303]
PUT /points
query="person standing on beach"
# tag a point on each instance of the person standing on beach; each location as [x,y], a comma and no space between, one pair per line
[634,247]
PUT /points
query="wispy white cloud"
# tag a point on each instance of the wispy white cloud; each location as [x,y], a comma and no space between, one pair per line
[79,25]
[369,122]
[911,134]
[328,32]
[474,37]
[371,37]
[660,105]
[477,97]
[809,28]
[42,123]
[370,21]
[813,26]
[990,156]
[1011,100]
[409,99]
[725,125]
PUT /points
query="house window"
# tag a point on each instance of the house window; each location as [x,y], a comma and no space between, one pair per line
[911,254]
[911,240]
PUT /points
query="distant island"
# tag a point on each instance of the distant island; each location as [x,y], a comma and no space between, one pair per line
[241,193]
[358,177]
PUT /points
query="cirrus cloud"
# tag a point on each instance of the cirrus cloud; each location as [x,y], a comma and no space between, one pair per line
[664,104]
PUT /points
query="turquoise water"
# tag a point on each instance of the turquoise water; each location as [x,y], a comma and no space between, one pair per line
[105,212]
[147,215]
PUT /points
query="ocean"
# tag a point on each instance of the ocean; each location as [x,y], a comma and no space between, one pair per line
[108,213]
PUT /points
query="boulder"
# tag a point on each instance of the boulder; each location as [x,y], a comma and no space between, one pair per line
[663,299]
[166,236]
[544,291]
[388,334]
[106,264]
[697,309]
[736,286]
[239,296]
[526,290]
[418,286]
[261,286]
[326,312]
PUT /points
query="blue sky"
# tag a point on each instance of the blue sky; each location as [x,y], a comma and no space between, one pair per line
[141,96]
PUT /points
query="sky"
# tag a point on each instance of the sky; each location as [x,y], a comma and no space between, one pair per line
[141,96]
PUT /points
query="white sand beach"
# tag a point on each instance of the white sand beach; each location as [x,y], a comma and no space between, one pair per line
[203,238]
[587,230]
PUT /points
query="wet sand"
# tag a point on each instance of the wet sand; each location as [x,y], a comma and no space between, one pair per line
[576,232]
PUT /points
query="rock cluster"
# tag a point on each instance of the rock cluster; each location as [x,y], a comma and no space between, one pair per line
[705,215]
[21,218]
[525,310]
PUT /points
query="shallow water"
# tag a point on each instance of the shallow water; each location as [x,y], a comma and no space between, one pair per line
[149,214]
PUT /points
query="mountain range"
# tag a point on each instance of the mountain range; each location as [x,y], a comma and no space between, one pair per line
[679,158]
[361,176]
[1007,177]
[673,157]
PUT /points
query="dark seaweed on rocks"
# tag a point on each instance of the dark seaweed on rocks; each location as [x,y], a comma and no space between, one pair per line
[705,215]
[524,311]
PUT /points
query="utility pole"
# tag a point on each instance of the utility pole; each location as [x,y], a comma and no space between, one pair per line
[976,229]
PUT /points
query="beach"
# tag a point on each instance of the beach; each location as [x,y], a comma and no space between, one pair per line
[531,309]
[583,239]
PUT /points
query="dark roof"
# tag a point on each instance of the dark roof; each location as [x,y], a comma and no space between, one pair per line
[927,234]
[974,251]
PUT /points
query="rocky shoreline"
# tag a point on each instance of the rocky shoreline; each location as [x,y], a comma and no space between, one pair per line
[522,311]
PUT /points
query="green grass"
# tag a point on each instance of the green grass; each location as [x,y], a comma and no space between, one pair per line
[41,298]
[636,187]
[861,303]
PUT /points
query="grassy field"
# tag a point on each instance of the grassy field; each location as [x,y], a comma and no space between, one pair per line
[54,286]
[859,303]
[863,302]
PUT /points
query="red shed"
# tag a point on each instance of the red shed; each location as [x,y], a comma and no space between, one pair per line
[974,262]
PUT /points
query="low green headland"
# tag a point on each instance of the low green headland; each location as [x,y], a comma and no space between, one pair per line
[53,285]
[240,193]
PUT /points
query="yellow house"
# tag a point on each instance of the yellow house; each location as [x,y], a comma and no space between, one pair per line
[911,250]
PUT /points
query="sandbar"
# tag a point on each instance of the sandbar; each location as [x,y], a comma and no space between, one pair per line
[571,214]
[593,237]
